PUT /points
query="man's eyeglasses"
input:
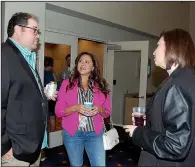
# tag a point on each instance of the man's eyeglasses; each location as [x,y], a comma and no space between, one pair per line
[36,31]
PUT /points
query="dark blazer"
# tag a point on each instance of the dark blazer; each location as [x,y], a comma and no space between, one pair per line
[169,136]
[23,108]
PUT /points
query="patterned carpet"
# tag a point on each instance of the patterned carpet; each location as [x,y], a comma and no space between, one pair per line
[125,154]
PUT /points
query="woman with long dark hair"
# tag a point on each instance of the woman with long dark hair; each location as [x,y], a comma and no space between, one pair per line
[83,126]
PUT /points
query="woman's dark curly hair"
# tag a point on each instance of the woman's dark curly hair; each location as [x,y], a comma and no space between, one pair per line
[94,79]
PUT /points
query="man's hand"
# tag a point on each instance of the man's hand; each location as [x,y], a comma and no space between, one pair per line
[8,155]
[54,97]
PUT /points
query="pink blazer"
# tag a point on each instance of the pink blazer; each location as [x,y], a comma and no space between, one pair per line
[70,98]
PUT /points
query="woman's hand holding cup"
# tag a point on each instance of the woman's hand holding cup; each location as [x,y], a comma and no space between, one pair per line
[82,109]
[90,111]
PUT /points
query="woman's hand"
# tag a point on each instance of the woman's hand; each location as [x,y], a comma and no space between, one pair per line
[130,129]
[98,110]
[82,109]
[8,155]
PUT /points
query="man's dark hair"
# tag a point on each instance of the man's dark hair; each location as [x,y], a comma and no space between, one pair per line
[67,56]
[19,19]
[48,61]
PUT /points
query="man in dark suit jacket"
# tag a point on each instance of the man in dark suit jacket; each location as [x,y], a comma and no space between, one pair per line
[23,102]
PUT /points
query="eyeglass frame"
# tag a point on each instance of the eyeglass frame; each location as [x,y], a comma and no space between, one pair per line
[36,31]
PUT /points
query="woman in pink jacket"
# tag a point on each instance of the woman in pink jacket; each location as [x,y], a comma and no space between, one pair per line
[83,126]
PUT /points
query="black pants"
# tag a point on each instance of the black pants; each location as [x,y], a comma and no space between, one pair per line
[51,105]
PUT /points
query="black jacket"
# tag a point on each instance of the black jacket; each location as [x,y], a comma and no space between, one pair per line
[169,136]
[23,108]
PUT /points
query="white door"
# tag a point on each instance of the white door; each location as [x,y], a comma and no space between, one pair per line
[55,138]
[118,52]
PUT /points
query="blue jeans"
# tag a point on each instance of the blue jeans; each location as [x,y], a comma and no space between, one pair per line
[92,143]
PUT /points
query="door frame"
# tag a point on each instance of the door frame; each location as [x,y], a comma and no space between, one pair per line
[143,47]
[56,138]
[64,39]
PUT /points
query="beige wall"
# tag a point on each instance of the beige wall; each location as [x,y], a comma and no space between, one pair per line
[192,20]
[149,17]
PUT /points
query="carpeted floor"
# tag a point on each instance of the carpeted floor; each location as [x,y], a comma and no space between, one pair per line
[125,154]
